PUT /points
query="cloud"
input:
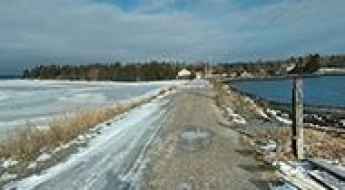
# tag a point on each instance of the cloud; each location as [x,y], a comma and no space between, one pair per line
[85,31]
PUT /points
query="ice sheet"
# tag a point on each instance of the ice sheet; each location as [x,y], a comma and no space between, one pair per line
[31,101]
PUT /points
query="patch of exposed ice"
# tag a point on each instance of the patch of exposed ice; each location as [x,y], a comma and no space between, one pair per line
[43,157]
[298,174]
[81,138]
[269,147]
[278,118]
[284,120]
[284,186]
[62,147]
[237,118]
[248,100]
[229,110]
[7,176]
[261,113]
[257,109]
[288,169]
[32,165]
[9,163]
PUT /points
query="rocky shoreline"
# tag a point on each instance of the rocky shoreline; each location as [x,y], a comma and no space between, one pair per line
[267,130]
[319,115]
[263,123]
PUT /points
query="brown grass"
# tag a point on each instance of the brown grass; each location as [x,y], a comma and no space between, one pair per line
[26,144]
[318,144]
[237,102]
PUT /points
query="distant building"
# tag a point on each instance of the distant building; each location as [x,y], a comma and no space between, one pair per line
[198,75]
[184,74]
[233,75]
[245,74]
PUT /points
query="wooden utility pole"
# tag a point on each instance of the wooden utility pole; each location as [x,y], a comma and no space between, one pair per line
[297,123]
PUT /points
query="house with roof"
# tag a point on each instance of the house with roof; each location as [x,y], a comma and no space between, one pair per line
[184,74]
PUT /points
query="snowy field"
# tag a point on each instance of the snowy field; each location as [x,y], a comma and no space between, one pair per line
[31,101]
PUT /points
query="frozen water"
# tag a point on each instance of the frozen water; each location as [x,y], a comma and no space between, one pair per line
[111,159]
[32,101]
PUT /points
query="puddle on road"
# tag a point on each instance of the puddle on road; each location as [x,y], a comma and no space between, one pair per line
[195,139]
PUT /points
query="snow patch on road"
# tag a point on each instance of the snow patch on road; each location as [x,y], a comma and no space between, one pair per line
[102,150]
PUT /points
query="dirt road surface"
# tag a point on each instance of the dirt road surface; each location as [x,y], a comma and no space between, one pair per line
[196,152]
[172,143]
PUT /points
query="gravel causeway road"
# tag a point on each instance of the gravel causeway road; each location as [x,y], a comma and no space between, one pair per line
[175,142]
[197,152]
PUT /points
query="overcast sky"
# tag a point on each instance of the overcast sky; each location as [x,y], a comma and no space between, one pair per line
[84,31]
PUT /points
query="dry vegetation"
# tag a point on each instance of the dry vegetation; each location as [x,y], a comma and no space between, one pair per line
[242,105]
[29,142]
[26,144]
[318,144]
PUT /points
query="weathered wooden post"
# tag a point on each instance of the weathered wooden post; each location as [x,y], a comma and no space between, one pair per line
[297,123]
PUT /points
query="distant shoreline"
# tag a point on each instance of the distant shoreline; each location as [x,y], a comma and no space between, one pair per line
[4,77]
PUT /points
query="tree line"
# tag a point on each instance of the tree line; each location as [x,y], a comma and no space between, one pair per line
[156,70]
[293,65]
[102,72]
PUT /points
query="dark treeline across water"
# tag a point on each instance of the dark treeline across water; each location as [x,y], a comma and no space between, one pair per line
[324,91]
[165,70]
[9,77]
[109,72]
